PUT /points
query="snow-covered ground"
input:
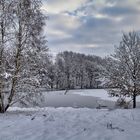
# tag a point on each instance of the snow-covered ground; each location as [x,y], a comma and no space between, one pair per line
[69,124]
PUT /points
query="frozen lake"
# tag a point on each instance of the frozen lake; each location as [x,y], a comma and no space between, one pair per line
[91,98]
[74,98]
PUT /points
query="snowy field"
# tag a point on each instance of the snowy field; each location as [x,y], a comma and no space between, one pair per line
[67,123]
[70,124]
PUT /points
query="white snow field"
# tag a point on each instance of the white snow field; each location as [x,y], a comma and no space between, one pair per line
[67,123]
[70,124]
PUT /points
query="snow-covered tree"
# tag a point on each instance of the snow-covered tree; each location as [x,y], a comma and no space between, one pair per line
[22,56]
[123,68]
[6,24]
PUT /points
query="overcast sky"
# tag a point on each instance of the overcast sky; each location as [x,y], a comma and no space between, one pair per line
[89,26]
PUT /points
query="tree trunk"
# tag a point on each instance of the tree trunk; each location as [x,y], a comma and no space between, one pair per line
[68,81]
[2,33]
[2,109]
[134,100]
[17,65]
[81,81]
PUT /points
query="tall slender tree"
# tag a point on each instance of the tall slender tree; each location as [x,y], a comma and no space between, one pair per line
[23,23]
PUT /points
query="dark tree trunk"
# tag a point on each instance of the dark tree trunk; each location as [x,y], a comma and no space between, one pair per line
[134,100]
[2,109]
[57,83]
[81,82]
[68,81]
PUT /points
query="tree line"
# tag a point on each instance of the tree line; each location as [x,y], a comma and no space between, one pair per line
[74,71]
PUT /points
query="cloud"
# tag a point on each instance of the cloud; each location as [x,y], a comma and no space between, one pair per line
[89,26]
[58,6]
[119,11]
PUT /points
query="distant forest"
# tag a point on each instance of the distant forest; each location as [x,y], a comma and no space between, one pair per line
[73,71]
